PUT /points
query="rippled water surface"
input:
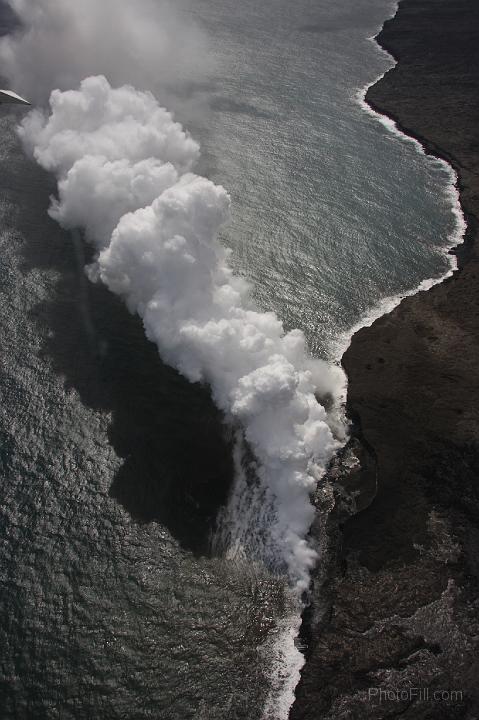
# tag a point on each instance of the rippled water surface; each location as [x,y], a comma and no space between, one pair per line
[330,210]
[113,467]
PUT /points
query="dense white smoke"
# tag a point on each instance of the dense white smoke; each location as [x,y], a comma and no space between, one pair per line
[152,44]
[124,170]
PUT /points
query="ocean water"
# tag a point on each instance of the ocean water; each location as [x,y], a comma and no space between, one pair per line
[331,211]
[113,466]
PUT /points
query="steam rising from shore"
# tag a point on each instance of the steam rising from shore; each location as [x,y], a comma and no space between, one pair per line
[125,173]
[124,170]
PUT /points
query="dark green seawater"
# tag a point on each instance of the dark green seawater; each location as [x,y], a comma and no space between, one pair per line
[112,466]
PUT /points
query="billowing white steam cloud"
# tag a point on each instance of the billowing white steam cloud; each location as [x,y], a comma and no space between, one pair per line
[124,175]
[148,43]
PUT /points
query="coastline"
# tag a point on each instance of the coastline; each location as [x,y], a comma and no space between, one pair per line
[457,239]
[394,604]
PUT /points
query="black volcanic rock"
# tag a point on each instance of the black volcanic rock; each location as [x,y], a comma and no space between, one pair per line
[400,597]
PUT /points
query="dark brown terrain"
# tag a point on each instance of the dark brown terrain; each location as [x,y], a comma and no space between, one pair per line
[397,604]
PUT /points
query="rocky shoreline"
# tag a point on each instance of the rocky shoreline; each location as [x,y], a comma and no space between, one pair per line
[393,628]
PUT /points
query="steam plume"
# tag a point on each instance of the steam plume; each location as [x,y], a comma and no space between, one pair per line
[124,170]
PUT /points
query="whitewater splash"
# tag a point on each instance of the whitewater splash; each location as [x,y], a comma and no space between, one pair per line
[124,170]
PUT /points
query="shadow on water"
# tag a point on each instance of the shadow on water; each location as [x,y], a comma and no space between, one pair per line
[177,461]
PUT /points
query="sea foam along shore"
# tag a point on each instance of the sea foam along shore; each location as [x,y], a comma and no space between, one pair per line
[456,237]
